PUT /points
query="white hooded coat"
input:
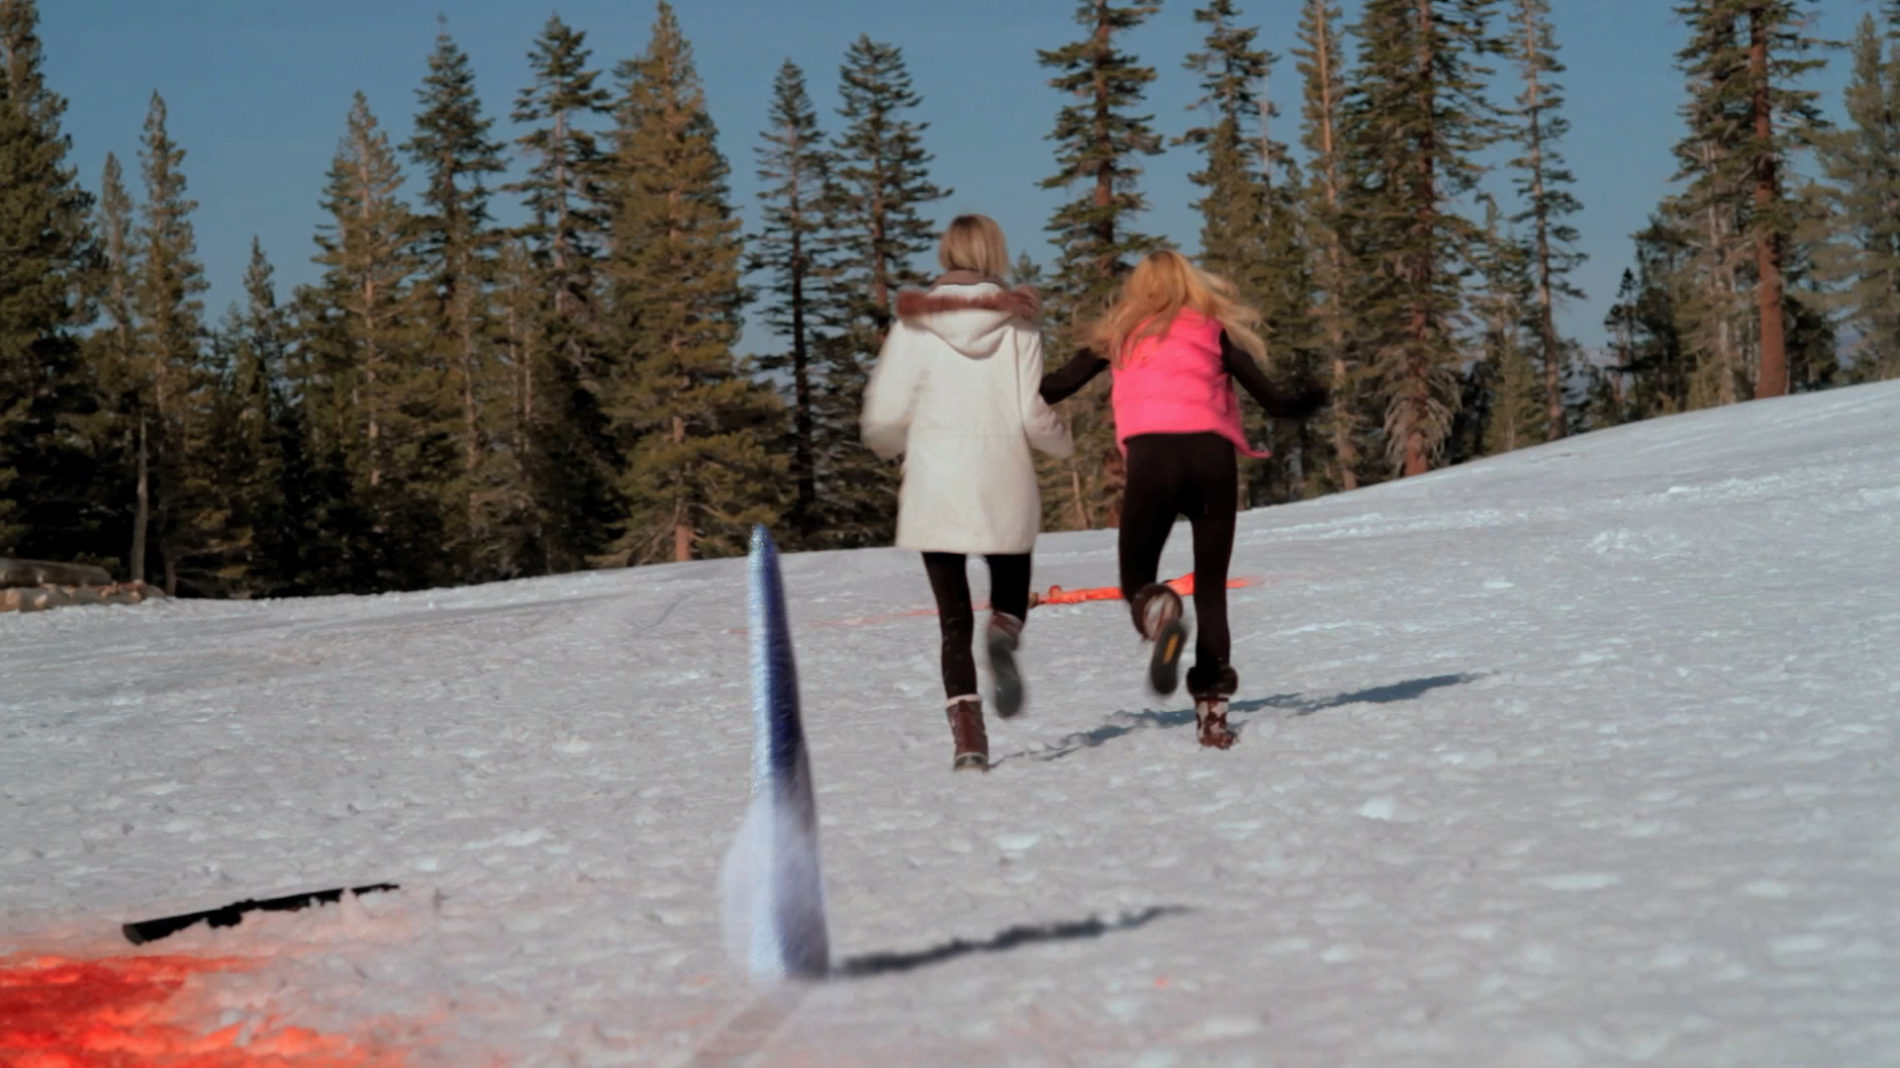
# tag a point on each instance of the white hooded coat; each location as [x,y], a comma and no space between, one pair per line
[955,391]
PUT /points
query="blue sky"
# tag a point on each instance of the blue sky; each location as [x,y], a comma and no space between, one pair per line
[257,92]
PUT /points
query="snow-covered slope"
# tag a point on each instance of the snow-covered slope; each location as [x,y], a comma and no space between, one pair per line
[1580,756]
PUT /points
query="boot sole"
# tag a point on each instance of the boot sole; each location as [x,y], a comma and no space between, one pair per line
[1164,667]
[970,762]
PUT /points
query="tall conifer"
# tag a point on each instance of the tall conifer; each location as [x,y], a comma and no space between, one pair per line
[46,259]
[1418,119]
[171,340]
[1322,68]
[1747,118]
[1513,408]
[876,231]
[1236,155]
[1862,164]
[1543,182]
[698,474]
[1099,145]
[572,464]
[119,371]
[457,242]
[391,394]
[795,166]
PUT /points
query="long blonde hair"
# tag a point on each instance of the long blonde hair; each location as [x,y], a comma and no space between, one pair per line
[1160,286]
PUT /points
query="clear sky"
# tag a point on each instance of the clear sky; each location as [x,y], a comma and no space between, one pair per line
[257,92]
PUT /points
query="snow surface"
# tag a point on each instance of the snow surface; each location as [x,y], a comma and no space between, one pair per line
[1584,755]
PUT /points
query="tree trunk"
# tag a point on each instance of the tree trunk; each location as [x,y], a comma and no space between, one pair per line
[1722,285]
[142,514]
[18,573]
[471,429]
[1773,379]
[682,517]
[1343,450]
[804,508]
[1418,385]
[1075,492]
[1540,207]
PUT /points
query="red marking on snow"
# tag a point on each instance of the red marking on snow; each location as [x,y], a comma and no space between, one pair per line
[119,1012]
[1055,595]
[1183,586]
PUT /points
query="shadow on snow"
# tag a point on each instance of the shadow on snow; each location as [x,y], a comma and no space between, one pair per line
[1295,704]
[1009,938]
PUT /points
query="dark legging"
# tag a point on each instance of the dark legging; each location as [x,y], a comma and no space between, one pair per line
[1190,475]
[950,581]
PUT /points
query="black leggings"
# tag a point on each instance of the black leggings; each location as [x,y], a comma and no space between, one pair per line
[950,582]
[1190,475]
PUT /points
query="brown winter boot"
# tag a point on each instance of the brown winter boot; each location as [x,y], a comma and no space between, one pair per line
[1158,616]
[1211,690]
[966,733]
[1005,635]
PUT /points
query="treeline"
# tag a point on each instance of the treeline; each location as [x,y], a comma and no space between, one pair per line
[455,400]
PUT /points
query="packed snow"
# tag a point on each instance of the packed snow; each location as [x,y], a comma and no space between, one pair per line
[1583,755]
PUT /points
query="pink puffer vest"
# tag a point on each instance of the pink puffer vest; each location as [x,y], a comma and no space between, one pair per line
[1175,384]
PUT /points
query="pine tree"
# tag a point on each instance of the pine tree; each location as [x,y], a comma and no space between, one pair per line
[1746,118]
[389,396]
[571,463]
[1322,70]
[46,259]
[457,243]
[1099,145]
[1648,325]
[795,166]
[121,424]
[1418,118]
[518,536]
[1514,409]
[1711,208]
[874,234]
[698,474]
[257,482]
[1235,151]
[171,344]
[1251,231]
[1543,183]
[1862,164]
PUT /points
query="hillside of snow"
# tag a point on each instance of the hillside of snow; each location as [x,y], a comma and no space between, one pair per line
[1584,755]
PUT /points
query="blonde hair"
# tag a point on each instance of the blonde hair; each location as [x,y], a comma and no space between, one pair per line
[974,243]
[1160,286]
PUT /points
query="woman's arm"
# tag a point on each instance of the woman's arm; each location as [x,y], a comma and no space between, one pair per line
[888,396]
[1307,399]
[1044,430]
[1071,376]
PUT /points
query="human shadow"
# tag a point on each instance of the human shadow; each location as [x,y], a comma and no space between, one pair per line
[1125,723]
[1378,695]
[1008,938]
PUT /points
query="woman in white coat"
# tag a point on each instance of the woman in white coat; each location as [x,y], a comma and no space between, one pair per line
[955,392]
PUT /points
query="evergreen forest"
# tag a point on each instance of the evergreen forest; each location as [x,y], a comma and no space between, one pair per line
[455,400]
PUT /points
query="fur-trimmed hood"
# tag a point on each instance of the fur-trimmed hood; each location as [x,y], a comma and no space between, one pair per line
[969,312]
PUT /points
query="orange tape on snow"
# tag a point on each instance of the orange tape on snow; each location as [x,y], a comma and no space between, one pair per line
[1183,586]
[112,1012]
[1055,595]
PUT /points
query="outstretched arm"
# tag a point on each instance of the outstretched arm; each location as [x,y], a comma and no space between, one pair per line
[1301,403]
[1044,429]
[1078,372]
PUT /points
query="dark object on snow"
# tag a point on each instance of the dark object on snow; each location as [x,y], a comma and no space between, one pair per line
[46,573]
[151,930]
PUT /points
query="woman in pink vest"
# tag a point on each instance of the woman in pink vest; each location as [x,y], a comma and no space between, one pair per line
[1178,339]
